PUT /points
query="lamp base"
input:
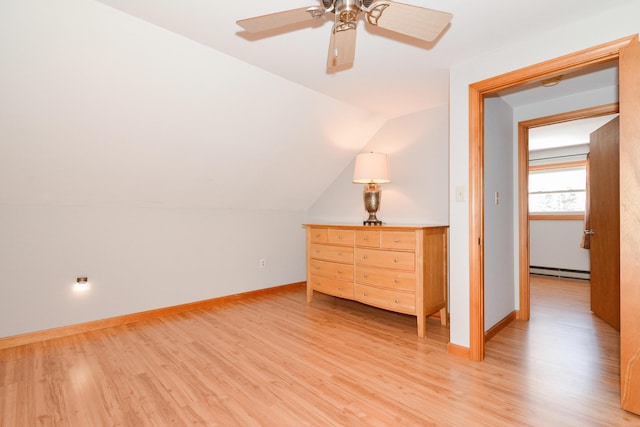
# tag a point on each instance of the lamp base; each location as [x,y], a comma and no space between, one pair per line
[372,195]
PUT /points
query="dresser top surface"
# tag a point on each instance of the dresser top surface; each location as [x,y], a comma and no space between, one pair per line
[376,227]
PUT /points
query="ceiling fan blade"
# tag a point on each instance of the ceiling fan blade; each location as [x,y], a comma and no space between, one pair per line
[414,21]
[280,19]
[342,48]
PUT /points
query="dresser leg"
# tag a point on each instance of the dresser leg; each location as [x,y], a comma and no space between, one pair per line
[422,326]
[309,294]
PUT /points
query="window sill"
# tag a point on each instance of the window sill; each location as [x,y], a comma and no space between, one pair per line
[556,217]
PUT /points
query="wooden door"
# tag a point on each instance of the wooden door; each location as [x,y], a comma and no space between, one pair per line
[604,183]
[630,224]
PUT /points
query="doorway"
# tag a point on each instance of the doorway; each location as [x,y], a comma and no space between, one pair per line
[523,189]
[627,50]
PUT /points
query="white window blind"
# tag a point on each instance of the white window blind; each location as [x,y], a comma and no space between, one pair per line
[557,190]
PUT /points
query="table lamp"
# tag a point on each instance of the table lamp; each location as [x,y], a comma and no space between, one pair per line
[372,169]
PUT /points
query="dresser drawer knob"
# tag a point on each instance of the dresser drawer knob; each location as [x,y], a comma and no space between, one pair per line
[365,238]
[395,260]
[339,270]
[365,257]
[397,300]
[339,253]
[396,240]
[365,275]
[396,280]
[339,236]
[366,294]
[339,288]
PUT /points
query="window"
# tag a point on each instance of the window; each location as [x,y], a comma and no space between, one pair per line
[558,191]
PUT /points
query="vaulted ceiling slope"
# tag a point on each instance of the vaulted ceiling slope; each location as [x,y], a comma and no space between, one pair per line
[167,103]
[102,108]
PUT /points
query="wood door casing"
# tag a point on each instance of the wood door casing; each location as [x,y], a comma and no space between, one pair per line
[477,91]
[604,193]
[629,225]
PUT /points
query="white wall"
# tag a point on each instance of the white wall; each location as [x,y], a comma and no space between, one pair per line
[620,21]
[499,286]
[136,259]
[102,108]
[160,168]
[417,150]
[557,244]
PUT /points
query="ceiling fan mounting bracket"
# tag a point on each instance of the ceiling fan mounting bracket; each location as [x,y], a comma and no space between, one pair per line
[374,14]
[316,12]
[344,26]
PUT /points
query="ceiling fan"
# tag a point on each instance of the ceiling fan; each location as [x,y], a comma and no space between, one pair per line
[414,21]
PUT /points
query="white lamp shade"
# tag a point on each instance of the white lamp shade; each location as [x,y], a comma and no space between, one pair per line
[371,168]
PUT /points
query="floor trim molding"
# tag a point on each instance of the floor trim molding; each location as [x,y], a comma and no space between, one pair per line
[64,331]
[458,350]
[500,325]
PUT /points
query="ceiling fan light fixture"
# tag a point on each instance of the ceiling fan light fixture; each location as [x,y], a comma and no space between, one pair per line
[347,10]
[552,81]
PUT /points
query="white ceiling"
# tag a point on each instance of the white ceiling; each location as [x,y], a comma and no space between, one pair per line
[575,132]
[392,75]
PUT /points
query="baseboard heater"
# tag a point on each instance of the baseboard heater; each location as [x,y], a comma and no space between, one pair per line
[564,273]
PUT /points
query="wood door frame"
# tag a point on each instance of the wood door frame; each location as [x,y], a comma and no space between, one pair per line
[524,312]
[477,91]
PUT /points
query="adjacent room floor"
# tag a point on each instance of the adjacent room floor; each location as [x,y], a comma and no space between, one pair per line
[276,361]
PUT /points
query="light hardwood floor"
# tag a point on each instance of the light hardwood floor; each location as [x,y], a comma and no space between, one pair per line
[276,361]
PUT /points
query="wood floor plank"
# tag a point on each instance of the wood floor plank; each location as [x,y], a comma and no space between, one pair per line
[274,360]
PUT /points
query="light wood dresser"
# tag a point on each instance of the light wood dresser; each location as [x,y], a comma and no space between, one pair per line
[397,268]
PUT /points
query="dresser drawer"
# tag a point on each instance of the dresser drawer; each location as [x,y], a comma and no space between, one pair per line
[386,259]
[332,253]
[392,279]
[332,269]
[341,237]
[368,238]
[335,287]
[402,302]
[398,240]
[319,235]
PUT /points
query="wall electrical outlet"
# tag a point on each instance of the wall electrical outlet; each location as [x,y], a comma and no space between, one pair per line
[460,197]
[263,263]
